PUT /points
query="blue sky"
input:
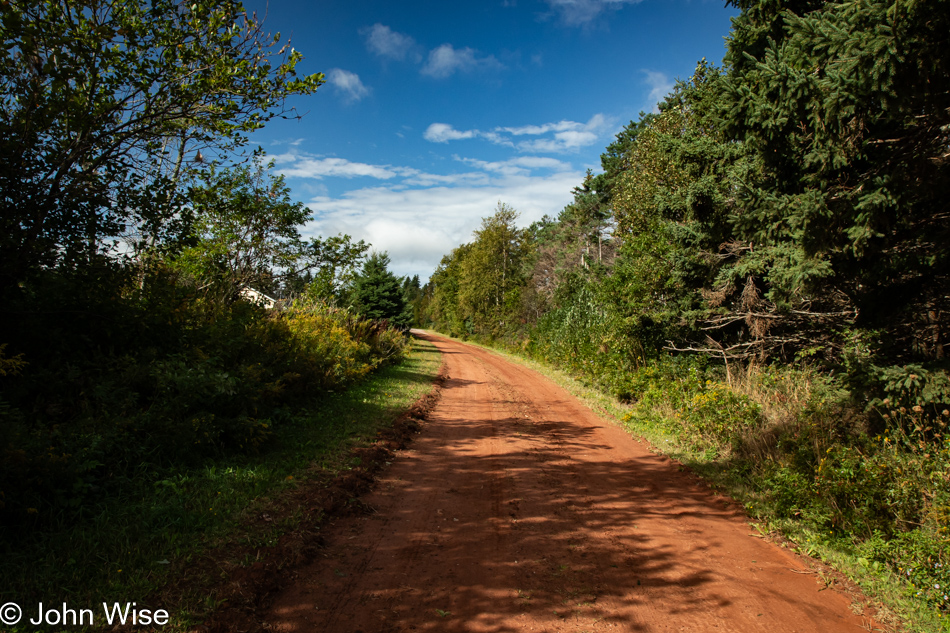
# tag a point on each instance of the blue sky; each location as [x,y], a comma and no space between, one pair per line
[433,112]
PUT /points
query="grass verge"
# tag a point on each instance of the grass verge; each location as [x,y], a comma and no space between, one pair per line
[893,608]
[167,539]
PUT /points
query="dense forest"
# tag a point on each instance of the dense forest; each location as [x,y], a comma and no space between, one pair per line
[762,270]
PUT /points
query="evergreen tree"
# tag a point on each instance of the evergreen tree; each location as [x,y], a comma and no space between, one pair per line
[847,107]
[377,293]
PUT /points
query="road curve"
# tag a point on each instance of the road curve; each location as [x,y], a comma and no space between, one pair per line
[517,509]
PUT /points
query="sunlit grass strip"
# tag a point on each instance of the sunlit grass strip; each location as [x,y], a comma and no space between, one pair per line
[657,426]
[132,547]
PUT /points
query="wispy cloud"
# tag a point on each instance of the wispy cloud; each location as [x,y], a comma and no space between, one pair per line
[308,167]
[446,60]
[303,166]
[567,141]
[583,12]
[387,43]
[347,84]
[660,86]
[293,142]
[518,166]
[443,133]
[441,62]
[559,137]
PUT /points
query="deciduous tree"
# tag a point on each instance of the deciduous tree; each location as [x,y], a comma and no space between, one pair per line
[104,102]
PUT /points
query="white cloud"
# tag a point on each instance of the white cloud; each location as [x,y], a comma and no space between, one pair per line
[569,141]
[418,217]
[299,165]
[302,166]
[582,12]
[518,166]
[385,42]
[660,86]
[541,129]
[441,63]
[443,133]
[561,136]
[446,60]
[418,226]
[347,84]
[292,142]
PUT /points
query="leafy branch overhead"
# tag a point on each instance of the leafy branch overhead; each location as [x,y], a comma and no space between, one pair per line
[103,103]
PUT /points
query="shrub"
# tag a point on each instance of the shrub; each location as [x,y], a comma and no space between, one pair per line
[156,377]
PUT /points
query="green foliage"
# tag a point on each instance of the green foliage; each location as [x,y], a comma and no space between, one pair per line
[445,312]
[337,262]
[477,289]
[378,295]
[143,378]
[489,283]
[716,416]
[245,232]
[846,107]
[101,104]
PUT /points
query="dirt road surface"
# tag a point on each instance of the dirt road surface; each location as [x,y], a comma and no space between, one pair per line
[517,509]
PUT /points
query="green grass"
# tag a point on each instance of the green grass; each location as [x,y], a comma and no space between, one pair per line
[655,425]
[146,539]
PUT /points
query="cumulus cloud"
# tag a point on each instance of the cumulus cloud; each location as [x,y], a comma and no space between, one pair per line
[583,12]
[347,84]
[558,137]
[387,43]
[446,60]
[660,86]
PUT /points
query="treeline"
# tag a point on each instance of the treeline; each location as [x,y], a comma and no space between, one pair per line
[136,235]
[762,267]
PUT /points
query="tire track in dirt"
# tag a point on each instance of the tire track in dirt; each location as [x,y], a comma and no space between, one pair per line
[517,509]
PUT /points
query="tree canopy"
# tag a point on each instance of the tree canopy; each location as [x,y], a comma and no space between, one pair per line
[779,206]
[103,103]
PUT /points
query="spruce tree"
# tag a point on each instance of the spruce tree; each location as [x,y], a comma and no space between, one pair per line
[378,294]
[847,106]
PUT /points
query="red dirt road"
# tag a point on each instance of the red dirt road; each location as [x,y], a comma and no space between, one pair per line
[517,509]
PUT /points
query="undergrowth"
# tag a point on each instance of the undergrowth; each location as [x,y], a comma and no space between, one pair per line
[792,445]
[106,380]
[142,540]
[140,419]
